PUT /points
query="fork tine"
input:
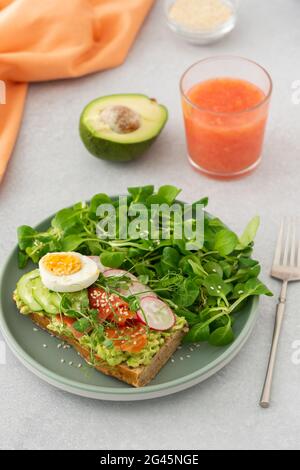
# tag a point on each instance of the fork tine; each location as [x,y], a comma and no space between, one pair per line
[287,243]
[278,248]
[293,243]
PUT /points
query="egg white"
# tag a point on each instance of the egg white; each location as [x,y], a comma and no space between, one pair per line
[84,278]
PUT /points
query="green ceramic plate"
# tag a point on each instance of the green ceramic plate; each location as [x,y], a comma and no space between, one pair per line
[59,367]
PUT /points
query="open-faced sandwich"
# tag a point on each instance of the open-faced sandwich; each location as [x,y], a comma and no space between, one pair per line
[125,300]
[115,322]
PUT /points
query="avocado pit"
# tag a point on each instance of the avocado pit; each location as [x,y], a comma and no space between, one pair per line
[121,119]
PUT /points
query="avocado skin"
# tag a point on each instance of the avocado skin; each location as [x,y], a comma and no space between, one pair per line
[115,151]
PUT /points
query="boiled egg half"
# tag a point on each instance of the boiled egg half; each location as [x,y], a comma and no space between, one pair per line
[68,272]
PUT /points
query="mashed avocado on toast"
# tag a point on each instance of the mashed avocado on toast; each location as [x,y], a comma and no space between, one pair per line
[121,127]
[32,296]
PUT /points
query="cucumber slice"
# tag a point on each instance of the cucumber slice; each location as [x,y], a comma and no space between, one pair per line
[24,290]
[49,301]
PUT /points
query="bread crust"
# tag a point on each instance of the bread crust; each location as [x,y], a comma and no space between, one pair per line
[135,376]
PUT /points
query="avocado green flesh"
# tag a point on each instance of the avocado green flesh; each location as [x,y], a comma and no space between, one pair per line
[31,292]
[101,141]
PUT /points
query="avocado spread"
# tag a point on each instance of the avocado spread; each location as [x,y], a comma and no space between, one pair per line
[30,290]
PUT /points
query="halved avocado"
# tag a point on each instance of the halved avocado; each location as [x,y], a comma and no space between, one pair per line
[121,127]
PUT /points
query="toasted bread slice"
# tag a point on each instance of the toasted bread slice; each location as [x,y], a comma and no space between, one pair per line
[135,376]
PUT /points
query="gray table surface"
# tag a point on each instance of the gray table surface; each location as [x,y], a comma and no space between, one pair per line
[50,169]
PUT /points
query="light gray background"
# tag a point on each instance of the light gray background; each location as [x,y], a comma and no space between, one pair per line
[50,169]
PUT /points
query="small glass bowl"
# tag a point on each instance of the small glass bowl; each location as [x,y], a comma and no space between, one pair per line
[202,37]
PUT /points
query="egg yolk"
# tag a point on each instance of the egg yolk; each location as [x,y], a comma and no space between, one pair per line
[62,264]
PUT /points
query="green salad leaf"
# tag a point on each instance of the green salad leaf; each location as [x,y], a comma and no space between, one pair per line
[113,260]
[208,285]
[225,242]
[249,233]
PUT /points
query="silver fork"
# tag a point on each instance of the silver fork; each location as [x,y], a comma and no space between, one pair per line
[286,267]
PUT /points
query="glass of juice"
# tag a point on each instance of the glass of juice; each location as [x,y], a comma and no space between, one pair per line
[225,106]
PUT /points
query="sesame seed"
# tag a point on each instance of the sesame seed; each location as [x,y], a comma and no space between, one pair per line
[70,363]
[191,349]
[79,366]
[181,358]
[35,329]
[45,346]
[58,346]
[172,360]
[62,361]
[188,355]
[179,347]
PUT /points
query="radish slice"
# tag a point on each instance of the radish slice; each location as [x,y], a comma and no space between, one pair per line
[138,289]
[100,266]
[156,314]
[118,273]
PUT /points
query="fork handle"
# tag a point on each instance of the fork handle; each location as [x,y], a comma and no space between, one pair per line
[266,393]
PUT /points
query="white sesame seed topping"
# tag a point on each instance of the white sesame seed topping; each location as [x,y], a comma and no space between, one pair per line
[35,329]
[172,360]
[45,346]
[79,366]
[70,363]
[188,355]
[62,361]
[181,358]
[58,346]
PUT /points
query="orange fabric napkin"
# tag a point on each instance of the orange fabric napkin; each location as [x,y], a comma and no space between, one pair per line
[54,39]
